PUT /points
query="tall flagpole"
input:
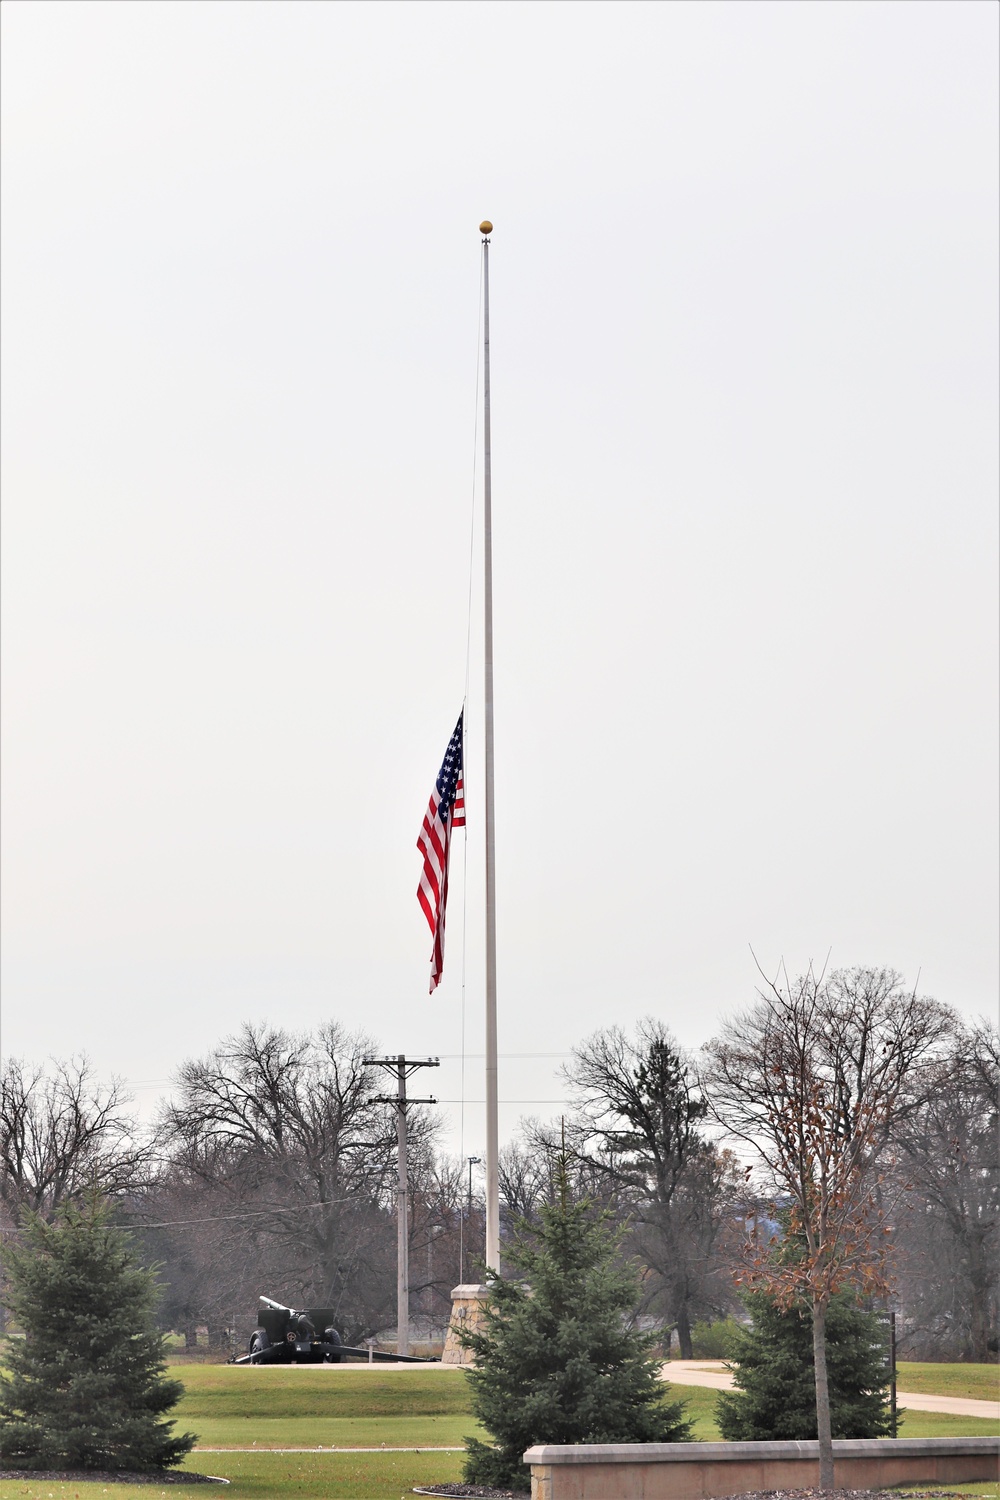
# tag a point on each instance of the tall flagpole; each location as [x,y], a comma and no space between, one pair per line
[492,1133]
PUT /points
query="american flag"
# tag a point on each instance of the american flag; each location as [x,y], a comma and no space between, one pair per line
[445,811]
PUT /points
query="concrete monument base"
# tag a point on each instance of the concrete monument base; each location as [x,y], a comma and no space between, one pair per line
[467,1304]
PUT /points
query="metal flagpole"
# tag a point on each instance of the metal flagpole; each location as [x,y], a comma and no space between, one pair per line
[492,1133]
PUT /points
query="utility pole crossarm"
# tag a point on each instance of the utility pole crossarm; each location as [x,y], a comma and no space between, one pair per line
[395,1099]
[409,1064]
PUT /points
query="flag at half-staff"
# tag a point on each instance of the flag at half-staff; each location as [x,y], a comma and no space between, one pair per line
[445,811]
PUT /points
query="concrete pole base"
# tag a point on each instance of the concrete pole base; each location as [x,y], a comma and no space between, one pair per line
[467,1304]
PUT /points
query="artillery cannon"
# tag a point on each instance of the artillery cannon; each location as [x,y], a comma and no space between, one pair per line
[306,1336]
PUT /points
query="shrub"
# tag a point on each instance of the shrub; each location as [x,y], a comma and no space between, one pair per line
[714,1340]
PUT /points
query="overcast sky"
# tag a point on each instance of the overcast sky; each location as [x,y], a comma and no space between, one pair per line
[745,476]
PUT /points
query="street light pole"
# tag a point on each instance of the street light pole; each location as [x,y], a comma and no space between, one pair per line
[473,1162]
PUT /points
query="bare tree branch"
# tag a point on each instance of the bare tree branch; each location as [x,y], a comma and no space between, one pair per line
[62,1133]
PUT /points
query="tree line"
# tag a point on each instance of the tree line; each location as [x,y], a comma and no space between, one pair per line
[843,1101]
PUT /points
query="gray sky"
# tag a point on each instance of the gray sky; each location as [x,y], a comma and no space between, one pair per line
[745,471]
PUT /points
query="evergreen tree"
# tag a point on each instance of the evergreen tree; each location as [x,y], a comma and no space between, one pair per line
[557,1360]
[84,1388]
[774,1373]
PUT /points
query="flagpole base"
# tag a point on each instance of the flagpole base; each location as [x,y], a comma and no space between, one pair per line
[467,1303]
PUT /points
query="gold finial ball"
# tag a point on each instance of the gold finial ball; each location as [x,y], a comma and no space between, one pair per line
[486,227]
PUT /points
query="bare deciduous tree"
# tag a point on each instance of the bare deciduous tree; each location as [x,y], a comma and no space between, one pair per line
[813,1077]
[948,1219]
[63,1133]
[527,1171]
[439,1231]
[286,1127]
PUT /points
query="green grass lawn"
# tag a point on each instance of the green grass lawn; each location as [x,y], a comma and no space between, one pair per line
[327,1432]
[699,1408]
[306,1407]
[259,1476]
[980,1382]
[918,1424]
[236,1391]
[309,1406]
[346,1407]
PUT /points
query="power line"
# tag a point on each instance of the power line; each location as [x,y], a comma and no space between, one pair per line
[148,1083]
[253,1214]
[507,1056]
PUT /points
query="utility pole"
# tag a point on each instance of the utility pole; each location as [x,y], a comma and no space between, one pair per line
[402,1067]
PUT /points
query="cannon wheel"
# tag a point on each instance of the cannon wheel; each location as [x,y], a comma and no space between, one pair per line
[331,1336]
[259,1342]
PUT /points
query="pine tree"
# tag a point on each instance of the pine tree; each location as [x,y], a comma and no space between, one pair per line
[558,1360]
[774,1374]
[84,1388]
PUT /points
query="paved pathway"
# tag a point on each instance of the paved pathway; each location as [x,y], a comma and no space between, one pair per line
[713,1373]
